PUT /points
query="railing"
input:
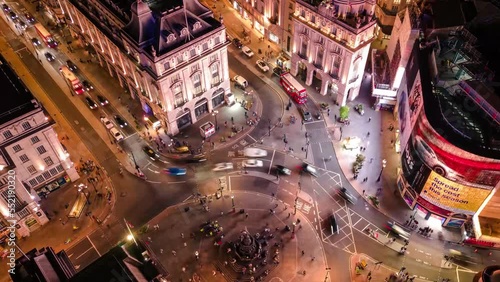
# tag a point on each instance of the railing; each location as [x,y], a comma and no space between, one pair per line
[217,83]
[23,213]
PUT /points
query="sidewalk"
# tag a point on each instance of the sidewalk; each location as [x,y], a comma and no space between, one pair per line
[58,204]
[378,272]
[187,218]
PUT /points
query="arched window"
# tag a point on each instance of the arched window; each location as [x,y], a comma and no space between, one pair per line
[178,94]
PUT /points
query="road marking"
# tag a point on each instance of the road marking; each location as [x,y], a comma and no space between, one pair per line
[187,198]
[155,182]
[272,158]
[320,148]
[85,252]
[128,136]
[93,246]
[251,138]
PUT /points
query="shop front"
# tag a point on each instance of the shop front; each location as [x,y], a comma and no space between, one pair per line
[184,119]
[201,107]
[217,98]
[52,186]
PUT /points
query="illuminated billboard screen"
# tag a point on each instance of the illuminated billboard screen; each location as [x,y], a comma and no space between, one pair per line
[453,196]
[414,169]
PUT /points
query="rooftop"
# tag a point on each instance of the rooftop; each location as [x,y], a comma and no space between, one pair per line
[17,99]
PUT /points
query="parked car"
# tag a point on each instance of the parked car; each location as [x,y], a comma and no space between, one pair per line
[175,171]
[49,57]
[71,66]
[237,43]
[254,152]
[91,103]
[12,15]
[348,196]
[252,163]
[151,153]
[21,24]
[103,101]
[196,159]
[278,71]
[5,7]
[309,169]
[87,85]
[333,224]
[262,66]
[306,115]
[107,122]
[283,170]
[247,51]
[116,134]
[35,41]
[29,17]
[240,81]
[223,166]
[121,122]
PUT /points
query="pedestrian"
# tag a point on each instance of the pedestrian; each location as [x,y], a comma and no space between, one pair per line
[288,215]
[182,235]
[149,239]
[246,215]
[225,123]
[183,269]
[276,206]
[174,253]
[161,251]
[232,120]
[335,117]
[371,160]
[328,112]
[367,134]
[313,258]
[363,192]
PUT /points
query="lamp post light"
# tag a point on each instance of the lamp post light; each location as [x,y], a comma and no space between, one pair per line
[214,113]
[384,163]
[232,201]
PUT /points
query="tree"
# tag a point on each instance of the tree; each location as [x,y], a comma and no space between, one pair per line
[343,113]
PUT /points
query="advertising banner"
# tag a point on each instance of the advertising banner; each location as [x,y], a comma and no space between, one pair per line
[453,196]
[403,114]
[414,170]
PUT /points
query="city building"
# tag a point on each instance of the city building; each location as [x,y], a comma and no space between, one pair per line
[170,55]
[449,125]
[43,265]
[386,12]
[32,160]
[272,19]
[331,43]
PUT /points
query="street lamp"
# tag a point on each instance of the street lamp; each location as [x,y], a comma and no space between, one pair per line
[214,113]
[232,201]
[293,227]
[384,163]
[80,189]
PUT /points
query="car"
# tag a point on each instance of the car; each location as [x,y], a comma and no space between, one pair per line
[247,51]
[237,43]
[182,149]
[344,193]
[5,7]
[399,230]
[91,103]
[151,153]
[252,163]
[334,226]
[175,171]
[29,17]
[71,66]
[12,15]
[21,24]
[430,158]
[306,115]
[49,57]
[103,101]
[87,85]
[262,66]
[277,71]
[107,122]
[309,169]
[121,122]
[283,170]
[223,166]
[196,159]
[35,41]
[254,152]
[240,81]
[116,134]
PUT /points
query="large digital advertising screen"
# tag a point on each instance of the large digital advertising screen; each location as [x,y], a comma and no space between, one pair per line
[414,169]
[453,196]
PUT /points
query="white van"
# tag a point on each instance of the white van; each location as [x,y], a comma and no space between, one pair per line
[240,82]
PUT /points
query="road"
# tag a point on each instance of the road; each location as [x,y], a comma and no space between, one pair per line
[139,201]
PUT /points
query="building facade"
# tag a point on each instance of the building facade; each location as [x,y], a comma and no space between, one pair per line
[32,160]
[386,12]
[170,55]
[272,19]
[331,43]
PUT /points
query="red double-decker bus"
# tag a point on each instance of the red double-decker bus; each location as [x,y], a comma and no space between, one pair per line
[45,35]
[293,88]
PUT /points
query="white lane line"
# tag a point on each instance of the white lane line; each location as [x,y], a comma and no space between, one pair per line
[187,198]
[128,136]
[155,182]
[252,138]
[93,246]
[229,183]
[272,159]
[85,252]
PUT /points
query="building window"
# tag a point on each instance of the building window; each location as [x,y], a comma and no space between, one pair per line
[214,58]
[48,161]
[24,158]
[7,134]
[290,16]
[334,72]
[319,55]
[33,182]
[313,19]
[47,175]
[26,125]
[17,148]
[40,179]
[303,13]
[196,79]
[178,95]
[205,46]
[290,6]
[41,150]
[17,202]
[303,47]
[35,139]
[396,2]
[195,68]
[192,53]
[217,40]
[214,69]
[166,65]
[31,169]
[395,8]
[180,59]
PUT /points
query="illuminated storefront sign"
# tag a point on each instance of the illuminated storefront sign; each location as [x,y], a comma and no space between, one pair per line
[453,196]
